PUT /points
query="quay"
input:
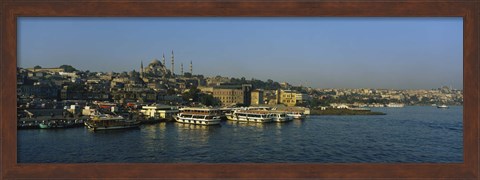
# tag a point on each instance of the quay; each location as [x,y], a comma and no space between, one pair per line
[32,118]
[34,123]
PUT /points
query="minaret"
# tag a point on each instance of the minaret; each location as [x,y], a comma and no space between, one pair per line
[141,69]
[173,67]
[181,69]
[163,59]
[191,68]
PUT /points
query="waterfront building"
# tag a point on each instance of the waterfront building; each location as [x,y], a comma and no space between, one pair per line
[233,94]
[257,97]
[159,111]
[229,96]
[301,98]
[287,97]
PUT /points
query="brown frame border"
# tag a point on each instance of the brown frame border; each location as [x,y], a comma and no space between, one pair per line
[10,10]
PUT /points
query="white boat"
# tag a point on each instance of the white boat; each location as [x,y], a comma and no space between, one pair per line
[263,108]
[296,115]
[281,117]
[228,113]
[259,116]
[110,122]
[201,116]
[396,105]
[443,106]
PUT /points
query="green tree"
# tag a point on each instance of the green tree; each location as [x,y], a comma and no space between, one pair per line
[37,67]
[68,68]
[192,94]
[187,75]
[209,100]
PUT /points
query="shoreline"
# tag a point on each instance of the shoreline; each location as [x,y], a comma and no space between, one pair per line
[344,112]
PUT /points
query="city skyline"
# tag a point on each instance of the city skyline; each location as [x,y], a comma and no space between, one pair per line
[391,53]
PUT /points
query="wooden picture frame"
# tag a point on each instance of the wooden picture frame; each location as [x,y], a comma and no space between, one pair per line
[11,10]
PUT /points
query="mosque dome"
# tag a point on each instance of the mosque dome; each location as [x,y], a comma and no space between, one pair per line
[155,62]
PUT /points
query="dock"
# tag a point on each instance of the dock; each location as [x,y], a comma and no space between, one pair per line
[33,123]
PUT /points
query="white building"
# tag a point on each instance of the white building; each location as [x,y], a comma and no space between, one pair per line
[159,111]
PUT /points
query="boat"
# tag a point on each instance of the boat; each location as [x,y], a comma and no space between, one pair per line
[260,116]
[296,115]
[50,124]
[228,113]
[59,123]
[110,122]
[281,117]
[200,116]
[395,105]
[443,106]
[264,108]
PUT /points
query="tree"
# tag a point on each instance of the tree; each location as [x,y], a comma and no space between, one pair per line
[187,75]
[68,68]
[209,100]
[192,94]
[37,67]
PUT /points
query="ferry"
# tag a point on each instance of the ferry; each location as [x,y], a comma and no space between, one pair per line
[110,122]
[260,116]
[443,106]
[228,113]
[296,115]
[200,116]
[395,105]
[281,117]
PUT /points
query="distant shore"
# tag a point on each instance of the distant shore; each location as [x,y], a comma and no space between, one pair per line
[332,111]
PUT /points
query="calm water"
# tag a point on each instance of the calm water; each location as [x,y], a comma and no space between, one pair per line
[410,134]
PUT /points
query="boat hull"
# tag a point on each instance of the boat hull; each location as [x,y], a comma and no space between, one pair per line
[249,119]
[197,121]
[113,127]
[297,116]
[282,119]
[95,127]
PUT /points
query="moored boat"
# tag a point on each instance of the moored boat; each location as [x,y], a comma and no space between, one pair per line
[395,105]
[443,106]
[296,115]
[59,123]
[110,122]
[280,117]
[200,116]
[260,116]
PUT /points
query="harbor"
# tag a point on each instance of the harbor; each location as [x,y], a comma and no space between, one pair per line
[406,134]
[103,116]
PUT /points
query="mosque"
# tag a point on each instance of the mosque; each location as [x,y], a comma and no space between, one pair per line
[157,69]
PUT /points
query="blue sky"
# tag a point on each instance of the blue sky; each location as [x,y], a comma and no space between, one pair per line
[398,53]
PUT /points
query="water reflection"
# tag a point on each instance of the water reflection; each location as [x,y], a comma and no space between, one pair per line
[194,133]
[153,131]
[298,122]
[247,124]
